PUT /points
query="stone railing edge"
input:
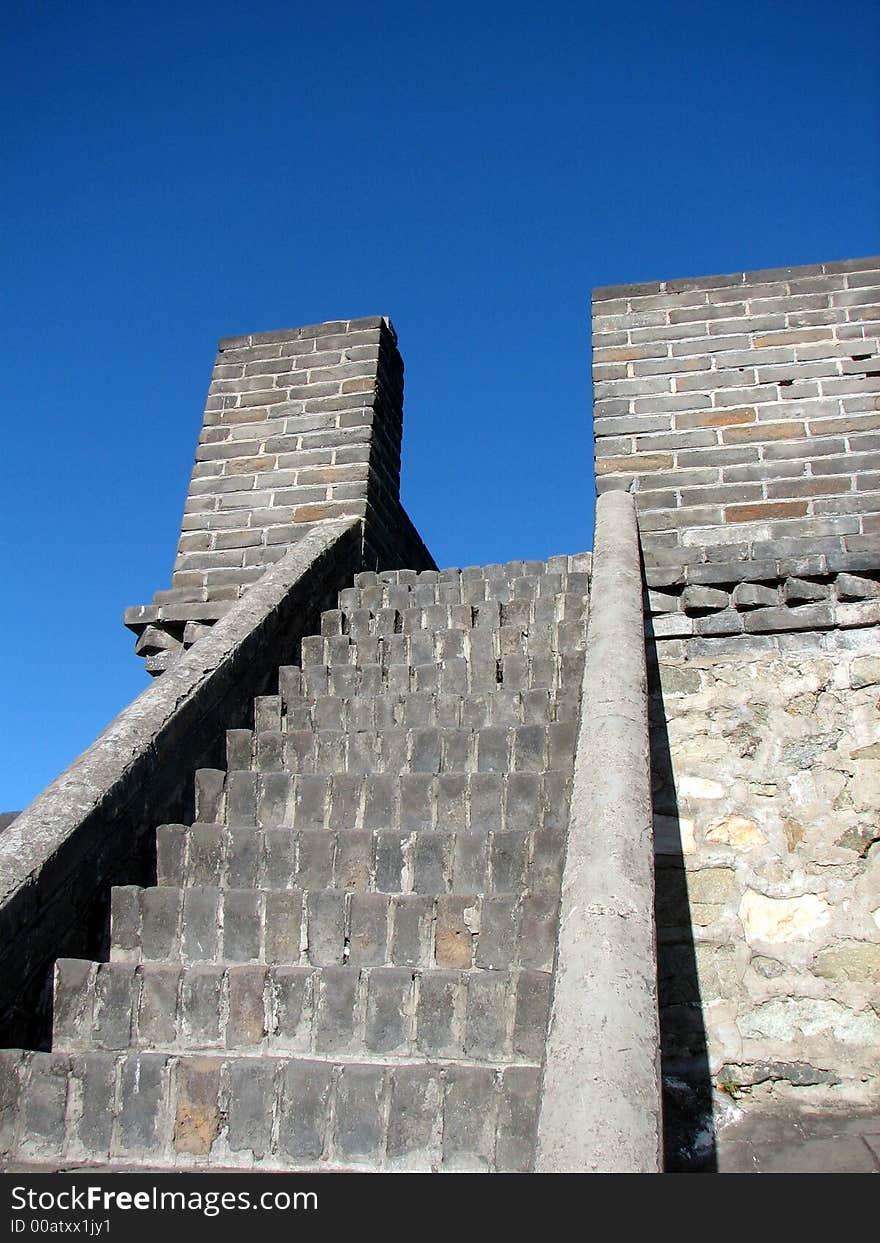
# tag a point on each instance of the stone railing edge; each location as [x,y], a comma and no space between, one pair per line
[601,1098]
[69,843]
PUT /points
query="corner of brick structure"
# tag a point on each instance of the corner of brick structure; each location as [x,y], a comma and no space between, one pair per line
[301,427]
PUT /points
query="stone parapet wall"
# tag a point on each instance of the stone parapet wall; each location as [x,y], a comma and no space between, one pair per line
[301,426]
[766,804]
[744,412]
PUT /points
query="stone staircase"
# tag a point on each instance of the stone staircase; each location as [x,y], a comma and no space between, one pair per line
[346,962]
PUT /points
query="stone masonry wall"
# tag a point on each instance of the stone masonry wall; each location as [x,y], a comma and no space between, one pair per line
[301,426]
[767,802]
[744,412]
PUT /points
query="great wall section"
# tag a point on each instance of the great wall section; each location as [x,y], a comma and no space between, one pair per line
[546,866]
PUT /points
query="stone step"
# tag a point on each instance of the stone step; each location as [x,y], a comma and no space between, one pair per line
[331,927]
[177,1112]
[482,802]
[471,585]
[415,709]
[544,670]
[476,648]
[452,627]
[382,860]
[428,749]
[477,1016]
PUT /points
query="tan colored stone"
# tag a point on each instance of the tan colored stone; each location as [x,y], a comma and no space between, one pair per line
[711,885]
[858,961]
[794,833]
[782,919]
[737,831]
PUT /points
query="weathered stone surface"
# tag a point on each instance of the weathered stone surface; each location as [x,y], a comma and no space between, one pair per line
[712,885]
[858,961]
[865,671]
[789,1019]
[738,831]
[782,919]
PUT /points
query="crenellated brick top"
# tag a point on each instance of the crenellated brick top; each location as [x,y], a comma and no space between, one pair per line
[743,411]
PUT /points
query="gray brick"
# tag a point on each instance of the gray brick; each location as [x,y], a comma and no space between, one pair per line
[159,927]
[241,798]
[242,857]
[533,996]
[469,1116]
[369,929]
[336,1019]
[170,852]
[496,944]
[142,1092]
[299,751]
[250,1107]
[304,1114]
[326,927]
[283,925]
[201,993]
[486,1036]
[431,862]
[72,1003]
[293,999]
[537,932]
[269,751]
[380,802]
[416,801]
[522,803]
[486,795]
[346,790]
[315,859]
[389,1005]
[518,1119]
[389,861]
[246,1025]
[241,925]
[205,855]
[806,617]
[360,1093]
[209,783]
[493,745]
[438,1028]
[411,930]
[157,1013]
[94,1127]
[311,800]
[415,1108]
[354,853]
[469,863]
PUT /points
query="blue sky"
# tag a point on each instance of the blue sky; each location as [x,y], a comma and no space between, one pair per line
[177,172]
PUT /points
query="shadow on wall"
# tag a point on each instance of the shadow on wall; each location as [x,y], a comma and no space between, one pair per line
[688,1126]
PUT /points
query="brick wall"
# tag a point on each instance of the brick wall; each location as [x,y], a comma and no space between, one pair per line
[744,412]
[301,426]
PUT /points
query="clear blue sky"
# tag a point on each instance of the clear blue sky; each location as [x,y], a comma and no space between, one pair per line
[176,172]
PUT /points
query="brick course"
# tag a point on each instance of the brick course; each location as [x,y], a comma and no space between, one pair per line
[742,409]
